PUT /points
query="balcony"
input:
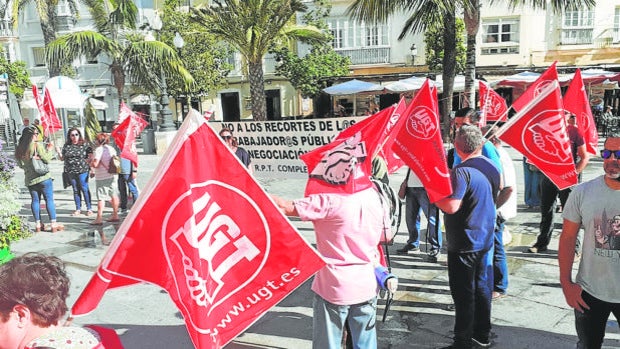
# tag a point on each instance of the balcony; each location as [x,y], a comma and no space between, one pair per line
[6,29]
[65,23]
[370,55]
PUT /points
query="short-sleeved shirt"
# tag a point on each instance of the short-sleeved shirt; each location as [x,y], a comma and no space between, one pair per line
[348,229]
[475,182]
[595,206]
[243,156]
[576,140]
[103,153]
[75,157]
[68,337]
[509,208]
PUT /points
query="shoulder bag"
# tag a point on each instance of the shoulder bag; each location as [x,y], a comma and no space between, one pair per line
[39,166]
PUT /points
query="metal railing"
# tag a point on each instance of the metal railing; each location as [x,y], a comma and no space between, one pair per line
[366,55]
[6,28]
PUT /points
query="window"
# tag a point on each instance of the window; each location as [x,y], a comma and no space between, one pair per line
[38,53]
[500,30]
[349,34]
[577,27]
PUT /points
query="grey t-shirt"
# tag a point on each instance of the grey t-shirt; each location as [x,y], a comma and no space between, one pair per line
[595,206]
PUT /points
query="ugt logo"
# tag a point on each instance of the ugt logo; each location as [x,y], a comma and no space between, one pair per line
[422,123]
[541,137]
[220,250]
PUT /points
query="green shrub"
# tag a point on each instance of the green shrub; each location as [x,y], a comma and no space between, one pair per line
[12,226]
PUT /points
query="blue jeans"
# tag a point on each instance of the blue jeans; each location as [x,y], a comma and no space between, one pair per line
[470,277]
[416,200]
[532,182]
[328,324]
[44,189]
[500,265]
[79,183]
[591,323]
[126,182]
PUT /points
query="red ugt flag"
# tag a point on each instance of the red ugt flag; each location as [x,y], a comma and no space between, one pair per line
[546,78]
[49,119]
[210,236]
[345,164]
[538,132]
[576,101]
[125,134]
[419,144]
[492,105]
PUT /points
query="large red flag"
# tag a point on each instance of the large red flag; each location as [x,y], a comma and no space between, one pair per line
[576,101]
[345,164]
[210,236]
[419,144]
[546,78]
[538,132]
[492,105]
[49,119]
[125,136]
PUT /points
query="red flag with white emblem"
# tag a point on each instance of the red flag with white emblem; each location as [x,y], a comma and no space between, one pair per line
[538,132]
[546,78]
[419,144]
[210,236]
[492,105]
[126,132]
[576,101]
[345,164]
[49,119]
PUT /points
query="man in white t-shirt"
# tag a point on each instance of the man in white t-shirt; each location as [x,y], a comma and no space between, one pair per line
[593,205]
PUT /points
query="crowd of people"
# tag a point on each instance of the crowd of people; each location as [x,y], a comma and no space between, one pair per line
[349,228]
[82,161]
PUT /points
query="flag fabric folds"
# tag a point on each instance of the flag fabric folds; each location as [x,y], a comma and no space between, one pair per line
[210,236]
[419,144]
[49,119]
[344,165]
[538,131]
[576,101]
[492,105]
[546,78]
[126,132]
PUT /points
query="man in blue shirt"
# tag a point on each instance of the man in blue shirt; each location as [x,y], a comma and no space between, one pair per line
[470,222]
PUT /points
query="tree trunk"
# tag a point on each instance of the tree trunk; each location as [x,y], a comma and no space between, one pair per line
[472,23]
[48,27]
[449,71]
[118,79]
[257,91]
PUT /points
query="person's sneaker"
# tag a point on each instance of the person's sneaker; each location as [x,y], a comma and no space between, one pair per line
[407,248]
[497,295]
[124,211]
[536,249]
[481,343]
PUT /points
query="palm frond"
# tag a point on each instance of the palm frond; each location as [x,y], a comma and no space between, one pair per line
[68,47]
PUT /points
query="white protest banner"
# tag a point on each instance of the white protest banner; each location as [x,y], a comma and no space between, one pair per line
[275,146]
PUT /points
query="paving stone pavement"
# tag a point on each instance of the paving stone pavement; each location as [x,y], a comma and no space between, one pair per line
[532,315]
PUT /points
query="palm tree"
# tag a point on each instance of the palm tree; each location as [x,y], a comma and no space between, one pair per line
[423,14]
[253,27]
[47,11]
[131,54]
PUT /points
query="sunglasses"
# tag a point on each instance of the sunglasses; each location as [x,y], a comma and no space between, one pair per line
[606,154]
[226,137]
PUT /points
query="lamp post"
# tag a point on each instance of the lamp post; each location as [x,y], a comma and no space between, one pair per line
[178,43]
[166,114]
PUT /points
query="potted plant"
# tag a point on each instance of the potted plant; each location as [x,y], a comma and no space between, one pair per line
[12,226]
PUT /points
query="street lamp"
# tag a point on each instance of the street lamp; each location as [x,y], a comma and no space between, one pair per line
[178,43]
[166,114]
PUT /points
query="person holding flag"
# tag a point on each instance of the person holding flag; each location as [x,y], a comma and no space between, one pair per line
[470,222]
[76,155]
[107,183]
[549,192]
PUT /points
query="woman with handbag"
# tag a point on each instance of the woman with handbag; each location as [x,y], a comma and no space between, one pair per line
[33,157]
[75,154]
[105,178]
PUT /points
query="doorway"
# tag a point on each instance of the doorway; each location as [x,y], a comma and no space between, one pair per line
[230,106]
[274,112]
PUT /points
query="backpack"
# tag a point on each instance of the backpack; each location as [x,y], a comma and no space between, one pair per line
[392,205]
[114,166]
